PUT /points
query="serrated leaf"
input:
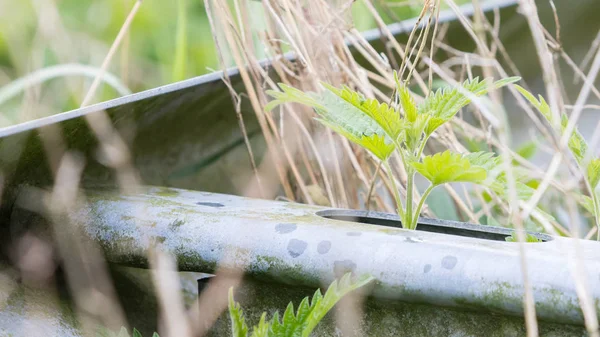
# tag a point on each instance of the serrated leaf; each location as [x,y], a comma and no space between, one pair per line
[540,104]
[576,143]
[434,123]
[136,333]
[385,116]
[587,203]
[449,167]
[155,334]
[500,187]
[321,305]
[307,317]
[374,143]
[262,330]
[238,321]
[593,172]
[445,103]
[415,129]
[406,100]
[486,160]
[365,122]
[291,95]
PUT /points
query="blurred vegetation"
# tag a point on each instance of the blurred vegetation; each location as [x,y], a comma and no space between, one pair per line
[168,41]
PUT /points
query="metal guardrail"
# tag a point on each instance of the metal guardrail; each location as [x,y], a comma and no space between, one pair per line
[297,245]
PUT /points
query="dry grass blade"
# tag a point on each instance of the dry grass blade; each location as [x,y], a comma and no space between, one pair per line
[113,49]
[173,314]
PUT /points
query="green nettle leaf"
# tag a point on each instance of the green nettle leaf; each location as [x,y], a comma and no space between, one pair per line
[593,172]
[136,333]
[528,238]
[238,321]
[500,187]
[445,103]
[365,122]
[540,104]
[527,150]
[415,129]
[374,143]
[291,94]
[387,117]
[576,143]
[433,124]
[302,323]
[262,330]
[587,203]
[449,167]
[406,100]
[486,160]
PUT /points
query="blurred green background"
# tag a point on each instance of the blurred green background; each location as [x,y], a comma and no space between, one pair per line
[167,42]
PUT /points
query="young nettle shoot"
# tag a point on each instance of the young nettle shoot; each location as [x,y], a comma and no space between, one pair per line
[405,129]
[300,323]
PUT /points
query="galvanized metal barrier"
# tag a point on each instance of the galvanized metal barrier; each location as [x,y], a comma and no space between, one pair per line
[283,246]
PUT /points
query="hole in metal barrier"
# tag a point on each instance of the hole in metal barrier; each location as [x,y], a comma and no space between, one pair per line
[427,225]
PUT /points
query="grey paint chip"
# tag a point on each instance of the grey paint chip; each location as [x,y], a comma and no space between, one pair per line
[324,246]
[296,247]
[284,228]
[449,262]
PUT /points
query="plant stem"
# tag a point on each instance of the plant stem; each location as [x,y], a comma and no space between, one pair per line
[388,168]
[422,147]
[596,213]
[420,205]
[409,198]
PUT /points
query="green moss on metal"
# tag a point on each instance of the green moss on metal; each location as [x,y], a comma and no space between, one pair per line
[192,261]
[500,295]
[269,267]
[165,192]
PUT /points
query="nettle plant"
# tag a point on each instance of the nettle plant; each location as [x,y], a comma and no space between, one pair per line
[300,323]
[405,128]
[578,147]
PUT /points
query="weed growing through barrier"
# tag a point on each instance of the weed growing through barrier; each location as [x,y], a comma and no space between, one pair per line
[405,128]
